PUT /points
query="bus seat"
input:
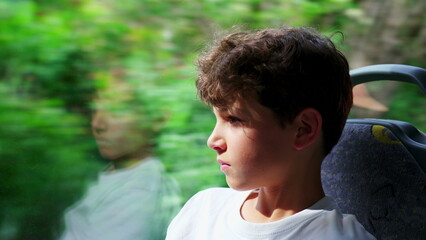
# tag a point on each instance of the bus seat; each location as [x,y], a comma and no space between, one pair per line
[377,170]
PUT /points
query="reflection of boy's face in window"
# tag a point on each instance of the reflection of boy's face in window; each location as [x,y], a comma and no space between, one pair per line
[117,132]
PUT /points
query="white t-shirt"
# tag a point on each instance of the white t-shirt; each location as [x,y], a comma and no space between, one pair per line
[125,204]
[215,214]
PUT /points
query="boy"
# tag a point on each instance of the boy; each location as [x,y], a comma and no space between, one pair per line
[134,198]
[281,98]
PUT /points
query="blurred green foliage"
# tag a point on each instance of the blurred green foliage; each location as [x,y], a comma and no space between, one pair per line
[45,162]
[56,55]
[408,104]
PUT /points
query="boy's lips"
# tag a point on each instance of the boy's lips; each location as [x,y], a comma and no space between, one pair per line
[103,142]
[223,165]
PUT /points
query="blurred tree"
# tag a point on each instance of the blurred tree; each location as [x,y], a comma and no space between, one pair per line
[42,55]
[45,147]
[389,32]
[44,165]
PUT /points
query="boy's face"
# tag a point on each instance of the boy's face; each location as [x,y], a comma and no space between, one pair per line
[253,149]
[117,133]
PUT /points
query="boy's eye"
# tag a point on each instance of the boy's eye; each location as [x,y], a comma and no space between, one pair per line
[233,119]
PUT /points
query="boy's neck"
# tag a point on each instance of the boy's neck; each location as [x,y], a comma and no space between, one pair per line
[272,204]
[128,161]
[125,164]
[261,207]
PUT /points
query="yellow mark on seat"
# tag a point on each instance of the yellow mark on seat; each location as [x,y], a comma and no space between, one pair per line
[382,135]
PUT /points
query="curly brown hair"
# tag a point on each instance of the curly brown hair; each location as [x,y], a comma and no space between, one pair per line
[287,69]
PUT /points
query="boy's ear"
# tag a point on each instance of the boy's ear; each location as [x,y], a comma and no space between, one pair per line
[309,125]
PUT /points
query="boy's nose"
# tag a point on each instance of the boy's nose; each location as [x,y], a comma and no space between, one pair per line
[98,123]
[216,142]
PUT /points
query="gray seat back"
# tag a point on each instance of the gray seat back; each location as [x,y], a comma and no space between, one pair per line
[377,170]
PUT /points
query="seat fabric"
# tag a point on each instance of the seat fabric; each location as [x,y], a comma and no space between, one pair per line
[372,175]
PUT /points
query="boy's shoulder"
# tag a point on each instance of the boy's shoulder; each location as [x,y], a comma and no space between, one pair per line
[212,201]
[321,219]
[209,192]
[201,214]
[202,211]
[217,196]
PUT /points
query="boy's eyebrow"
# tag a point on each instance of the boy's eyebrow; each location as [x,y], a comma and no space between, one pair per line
[236,111]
